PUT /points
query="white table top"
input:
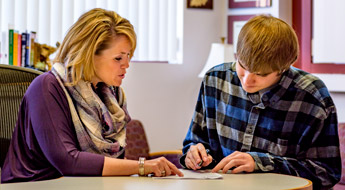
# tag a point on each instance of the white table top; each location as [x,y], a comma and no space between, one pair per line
[264,181]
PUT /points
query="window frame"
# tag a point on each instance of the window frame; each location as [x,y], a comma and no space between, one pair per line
[302,23]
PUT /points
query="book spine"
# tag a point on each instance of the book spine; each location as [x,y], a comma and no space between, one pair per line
[10,47]
[32,48]
[27,50]
[23,49]
[15,48]
[19,61]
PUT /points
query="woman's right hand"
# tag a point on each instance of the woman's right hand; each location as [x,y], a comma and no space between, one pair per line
[161,167]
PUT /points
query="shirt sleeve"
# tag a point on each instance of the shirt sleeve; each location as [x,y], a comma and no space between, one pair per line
[53,129]
[199,133]
[319,162]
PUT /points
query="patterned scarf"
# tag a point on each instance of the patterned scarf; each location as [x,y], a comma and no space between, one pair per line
[99,118]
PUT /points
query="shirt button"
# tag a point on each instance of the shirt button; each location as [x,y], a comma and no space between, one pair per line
[264,98]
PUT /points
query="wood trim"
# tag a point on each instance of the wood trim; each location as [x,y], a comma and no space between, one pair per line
[231,20]
[257,3]
[302,23]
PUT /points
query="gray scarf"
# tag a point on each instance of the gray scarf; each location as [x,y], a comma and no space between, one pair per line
[99,118]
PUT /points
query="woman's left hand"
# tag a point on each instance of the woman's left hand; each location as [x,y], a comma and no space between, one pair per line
[239,161]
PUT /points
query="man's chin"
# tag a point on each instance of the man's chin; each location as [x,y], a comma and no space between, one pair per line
[250,89]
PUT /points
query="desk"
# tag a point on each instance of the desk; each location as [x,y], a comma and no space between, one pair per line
[252,181]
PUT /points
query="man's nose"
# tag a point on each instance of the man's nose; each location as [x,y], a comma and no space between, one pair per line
[248,78]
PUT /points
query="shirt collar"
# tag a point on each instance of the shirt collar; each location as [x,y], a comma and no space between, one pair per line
[273,93]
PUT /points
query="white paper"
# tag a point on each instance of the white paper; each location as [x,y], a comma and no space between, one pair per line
[198,174]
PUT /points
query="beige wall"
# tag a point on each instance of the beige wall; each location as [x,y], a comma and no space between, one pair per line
[163,96]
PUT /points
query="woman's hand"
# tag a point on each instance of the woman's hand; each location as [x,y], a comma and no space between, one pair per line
[161,167]
[239,161]
[194,156]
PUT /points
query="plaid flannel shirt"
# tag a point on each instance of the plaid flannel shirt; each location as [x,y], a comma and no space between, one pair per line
[290,128]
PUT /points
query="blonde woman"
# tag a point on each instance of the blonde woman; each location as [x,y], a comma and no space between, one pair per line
[72,119]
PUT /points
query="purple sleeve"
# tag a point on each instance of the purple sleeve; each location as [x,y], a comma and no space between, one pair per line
[53,128]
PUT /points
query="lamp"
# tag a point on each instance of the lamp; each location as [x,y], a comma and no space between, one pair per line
[220,53]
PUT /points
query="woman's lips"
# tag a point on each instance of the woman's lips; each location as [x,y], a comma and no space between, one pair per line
[122,76]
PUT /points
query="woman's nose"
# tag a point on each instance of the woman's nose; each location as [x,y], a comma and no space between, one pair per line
[125,63]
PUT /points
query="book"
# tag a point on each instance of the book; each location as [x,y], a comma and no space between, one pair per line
[15,48]
[23,63]
[27,50]
[32,49]
[10,46]
[19,58]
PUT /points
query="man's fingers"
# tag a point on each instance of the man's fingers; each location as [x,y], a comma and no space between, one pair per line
[190,162]
[219,166]
[195,155]
[239,169]
[202,152]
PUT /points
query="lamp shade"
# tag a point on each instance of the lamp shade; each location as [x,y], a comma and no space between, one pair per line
[220,53]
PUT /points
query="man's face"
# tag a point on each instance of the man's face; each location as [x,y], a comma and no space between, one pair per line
[254,82]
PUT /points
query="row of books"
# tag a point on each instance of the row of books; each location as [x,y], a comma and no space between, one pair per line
[18,48]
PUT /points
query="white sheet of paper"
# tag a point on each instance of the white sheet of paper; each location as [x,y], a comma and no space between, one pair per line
[190,174]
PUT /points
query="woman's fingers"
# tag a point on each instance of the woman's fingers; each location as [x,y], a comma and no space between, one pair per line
[162,167]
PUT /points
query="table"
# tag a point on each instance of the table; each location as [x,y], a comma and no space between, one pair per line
[262,181]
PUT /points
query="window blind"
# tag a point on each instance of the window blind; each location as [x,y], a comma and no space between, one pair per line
[158,23]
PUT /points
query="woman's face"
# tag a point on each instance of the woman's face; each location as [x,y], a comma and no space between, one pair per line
[111,64]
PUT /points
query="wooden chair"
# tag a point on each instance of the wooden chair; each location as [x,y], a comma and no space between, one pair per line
[13,83]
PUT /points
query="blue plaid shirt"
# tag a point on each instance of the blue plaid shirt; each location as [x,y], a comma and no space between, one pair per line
[290,128]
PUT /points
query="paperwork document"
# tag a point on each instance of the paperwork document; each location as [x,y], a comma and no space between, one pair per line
[198,174]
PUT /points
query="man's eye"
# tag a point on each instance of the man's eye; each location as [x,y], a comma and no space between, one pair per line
[118,59]
[262,75]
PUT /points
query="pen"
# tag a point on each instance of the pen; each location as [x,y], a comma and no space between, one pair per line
[200,163]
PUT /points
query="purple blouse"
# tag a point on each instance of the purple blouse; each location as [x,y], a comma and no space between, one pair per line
[44,143]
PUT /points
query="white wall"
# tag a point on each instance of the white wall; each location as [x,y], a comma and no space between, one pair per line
[163,96]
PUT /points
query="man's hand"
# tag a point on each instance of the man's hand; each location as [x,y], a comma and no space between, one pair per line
[194,156]
[240,161]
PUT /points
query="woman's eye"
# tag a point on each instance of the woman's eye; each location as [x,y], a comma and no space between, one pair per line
[118,59]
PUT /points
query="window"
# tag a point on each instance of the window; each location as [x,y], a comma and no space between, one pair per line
[158,23]
[302,23]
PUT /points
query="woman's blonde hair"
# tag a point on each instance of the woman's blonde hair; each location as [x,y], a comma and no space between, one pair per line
[92,33]
[267,44]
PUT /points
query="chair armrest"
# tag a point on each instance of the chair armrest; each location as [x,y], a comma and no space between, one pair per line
[172,155]
[166,152]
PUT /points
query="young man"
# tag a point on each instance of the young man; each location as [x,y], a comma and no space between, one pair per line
[261,115]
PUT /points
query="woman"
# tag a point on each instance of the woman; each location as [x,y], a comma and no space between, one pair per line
[72,119]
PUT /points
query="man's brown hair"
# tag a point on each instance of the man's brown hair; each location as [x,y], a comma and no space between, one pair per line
[267,44]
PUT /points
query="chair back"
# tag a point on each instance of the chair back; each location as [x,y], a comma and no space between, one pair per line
[341,133]
[137,145]
[13,83]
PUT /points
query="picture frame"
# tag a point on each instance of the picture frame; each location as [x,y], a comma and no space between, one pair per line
[200,4]
[235,23]
[249,3]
